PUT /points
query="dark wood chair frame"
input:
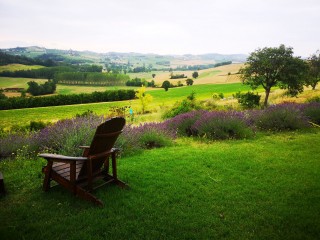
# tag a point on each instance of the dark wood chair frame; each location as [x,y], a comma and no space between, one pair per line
[77,174]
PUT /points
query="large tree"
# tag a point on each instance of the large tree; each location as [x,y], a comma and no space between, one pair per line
[269,67]
[314,70]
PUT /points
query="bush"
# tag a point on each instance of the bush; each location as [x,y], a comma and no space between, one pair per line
[314,99]
[187,105]
[248,100]
[36,89]
[280,117]
[37,125]
[218,96]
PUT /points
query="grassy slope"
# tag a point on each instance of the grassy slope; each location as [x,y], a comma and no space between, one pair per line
[264,188]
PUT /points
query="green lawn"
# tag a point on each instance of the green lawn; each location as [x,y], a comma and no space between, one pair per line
[263,188]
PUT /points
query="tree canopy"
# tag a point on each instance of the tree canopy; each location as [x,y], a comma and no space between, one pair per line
[314,70]
[269,67]
[195,74]
[166,85]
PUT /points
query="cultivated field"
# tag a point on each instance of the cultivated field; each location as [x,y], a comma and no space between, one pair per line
[211,75]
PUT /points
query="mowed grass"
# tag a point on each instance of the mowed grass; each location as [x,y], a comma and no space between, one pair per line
[18,67]
[160,98]
[263,188]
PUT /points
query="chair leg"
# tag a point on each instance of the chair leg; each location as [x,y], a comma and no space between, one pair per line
[114,172]
[47,177]
[87,196]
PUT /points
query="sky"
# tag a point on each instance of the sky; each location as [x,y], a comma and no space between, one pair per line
[162,26]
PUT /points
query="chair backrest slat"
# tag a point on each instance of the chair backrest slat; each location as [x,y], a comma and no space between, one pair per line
[103,140]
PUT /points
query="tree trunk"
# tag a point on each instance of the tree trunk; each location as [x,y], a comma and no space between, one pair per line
[266,99]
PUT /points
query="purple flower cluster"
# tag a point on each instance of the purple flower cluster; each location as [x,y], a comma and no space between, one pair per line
[182,124]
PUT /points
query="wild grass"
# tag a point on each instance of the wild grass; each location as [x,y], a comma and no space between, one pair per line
[262,188]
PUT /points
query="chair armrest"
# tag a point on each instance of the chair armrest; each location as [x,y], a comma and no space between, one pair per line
[61,158]
[84,147]
[85,152]
[116,150]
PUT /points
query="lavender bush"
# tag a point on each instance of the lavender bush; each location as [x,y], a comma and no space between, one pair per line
[223,125]
[281,117]
[312,112]
[66,136]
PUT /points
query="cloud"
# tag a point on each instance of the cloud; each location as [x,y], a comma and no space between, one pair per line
[180,26]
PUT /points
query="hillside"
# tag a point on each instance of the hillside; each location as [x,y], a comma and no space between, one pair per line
[133,59]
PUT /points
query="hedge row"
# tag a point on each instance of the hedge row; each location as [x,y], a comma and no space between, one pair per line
[90,78]
[57,100]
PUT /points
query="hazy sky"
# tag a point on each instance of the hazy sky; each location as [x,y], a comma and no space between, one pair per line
[163,26]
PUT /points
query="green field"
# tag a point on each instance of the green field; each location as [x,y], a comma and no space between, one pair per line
[263,188]
[7,82]
[70,89]
[160,98]
[18,67]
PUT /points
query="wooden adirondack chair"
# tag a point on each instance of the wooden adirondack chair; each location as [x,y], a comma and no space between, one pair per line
[78,174]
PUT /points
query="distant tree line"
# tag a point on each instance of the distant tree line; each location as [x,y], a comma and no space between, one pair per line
[57,100]
[201,67]
[138,82]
